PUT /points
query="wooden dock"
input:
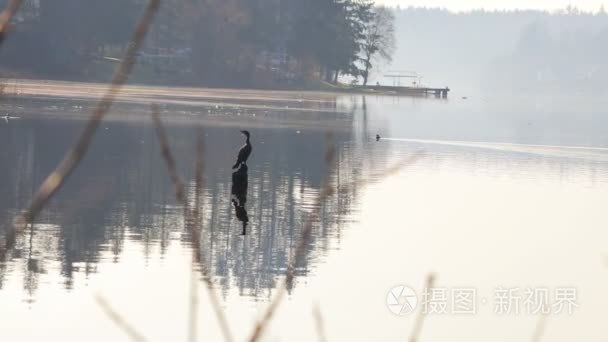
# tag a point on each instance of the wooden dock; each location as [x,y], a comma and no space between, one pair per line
[412,91]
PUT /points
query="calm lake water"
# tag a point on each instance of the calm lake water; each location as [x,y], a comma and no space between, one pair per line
[488,195]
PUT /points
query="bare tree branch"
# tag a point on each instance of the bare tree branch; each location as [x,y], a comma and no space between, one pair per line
[180,192]
[119,320]
[191,224]
[326,191]
[198,172]
[57,178]
[319,323]
[73,158]
[6,16]
[378,40]
[430,283]
[540,328]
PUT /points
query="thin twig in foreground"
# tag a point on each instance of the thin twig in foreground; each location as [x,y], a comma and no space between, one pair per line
[198,178]
[540,328]
[57,178]
[190,223]
[6,16]
[180,192]
[73,158]
[326,191]
[430,283]
[193,313]
[196,216]
[119,320]
[319,324]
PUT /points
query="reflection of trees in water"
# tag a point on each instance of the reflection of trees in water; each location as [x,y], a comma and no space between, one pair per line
[282,193]
[121,193]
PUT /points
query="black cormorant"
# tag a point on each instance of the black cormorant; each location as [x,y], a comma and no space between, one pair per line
[244,152]
[240,181]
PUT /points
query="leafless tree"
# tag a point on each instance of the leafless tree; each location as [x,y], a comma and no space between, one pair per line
[378,41]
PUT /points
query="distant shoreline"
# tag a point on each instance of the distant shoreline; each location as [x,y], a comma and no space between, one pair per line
[45,87]
[179,105]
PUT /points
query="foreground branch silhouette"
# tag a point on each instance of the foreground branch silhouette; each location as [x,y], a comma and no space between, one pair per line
[6,16]
[419,323]
[191,217]
[73,157]
[326,191]
[119,320]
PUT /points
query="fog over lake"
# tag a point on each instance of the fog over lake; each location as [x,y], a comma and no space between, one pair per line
[298,170]
[489,193]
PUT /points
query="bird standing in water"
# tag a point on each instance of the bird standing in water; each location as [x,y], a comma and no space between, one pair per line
[7,117]
[244,152]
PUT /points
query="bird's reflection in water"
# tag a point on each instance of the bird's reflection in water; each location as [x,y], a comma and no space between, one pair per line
[239,195]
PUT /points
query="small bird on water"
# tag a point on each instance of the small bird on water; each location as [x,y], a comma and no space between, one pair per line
[377,137]
[6,117]
[244,152]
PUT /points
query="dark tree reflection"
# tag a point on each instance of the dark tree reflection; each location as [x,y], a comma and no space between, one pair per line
[240,183]
[121,196]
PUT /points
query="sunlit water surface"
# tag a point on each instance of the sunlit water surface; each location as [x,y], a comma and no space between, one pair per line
[488,194]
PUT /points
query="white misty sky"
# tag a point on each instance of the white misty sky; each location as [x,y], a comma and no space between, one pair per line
[460,5]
